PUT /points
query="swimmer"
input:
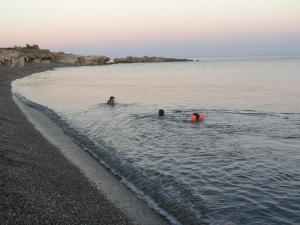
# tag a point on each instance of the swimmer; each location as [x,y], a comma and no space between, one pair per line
[111,101]
[196,117]
[161,112]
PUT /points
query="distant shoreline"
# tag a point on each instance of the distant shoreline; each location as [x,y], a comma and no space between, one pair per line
[17,57]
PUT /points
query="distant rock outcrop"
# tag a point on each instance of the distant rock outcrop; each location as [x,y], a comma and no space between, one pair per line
[64,58]
[17,56]
[93,60]
[147,59]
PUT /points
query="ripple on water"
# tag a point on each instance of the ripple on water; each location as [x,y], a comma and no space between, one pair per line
[241,166]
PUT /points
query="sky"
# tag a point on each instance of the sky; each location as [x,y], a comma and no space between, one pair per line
[171,28]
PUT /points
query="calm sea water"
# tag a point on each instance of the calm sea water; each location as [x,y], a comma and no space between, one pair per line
[241,166]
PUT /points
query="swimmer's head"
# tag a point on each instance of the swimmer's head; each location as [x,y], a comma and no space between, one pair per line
[161,112]
[195,117]
[111,98]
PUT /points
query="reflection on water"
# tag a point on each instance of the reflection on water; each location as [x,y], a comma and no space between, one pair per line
[241,166]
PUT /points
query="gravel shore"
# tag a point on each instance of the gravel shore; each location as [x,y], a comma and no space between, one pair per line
[37,184]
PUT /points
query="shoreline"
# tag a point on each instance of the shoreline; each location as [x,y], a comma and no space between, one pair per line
[39,183]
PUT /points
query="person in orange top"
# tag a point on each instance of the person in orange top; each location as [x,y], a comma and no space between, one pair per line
[196,117]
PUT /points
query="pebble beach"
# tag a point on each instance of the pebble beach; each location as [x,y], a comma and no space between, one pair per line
[38,184]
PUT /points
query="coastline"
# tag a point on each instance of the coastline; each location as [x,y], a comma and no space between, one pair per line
[38,183]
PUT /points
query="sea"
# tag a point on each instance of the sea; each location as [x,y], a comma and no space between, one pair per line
[240,166]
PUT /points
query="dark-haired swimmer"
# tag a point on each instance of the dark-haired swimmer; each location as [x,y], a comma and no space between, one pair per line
[111,101]
[161,112]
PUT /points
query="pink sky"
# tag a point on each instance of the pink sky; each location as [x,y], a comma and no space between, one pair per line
[138,27]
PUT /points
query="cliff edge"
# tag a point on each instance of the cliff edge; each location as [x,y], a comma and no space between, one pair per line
[18,56]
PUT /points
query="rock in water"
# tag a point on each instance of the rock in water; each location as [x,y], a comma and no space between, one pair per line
[147,59]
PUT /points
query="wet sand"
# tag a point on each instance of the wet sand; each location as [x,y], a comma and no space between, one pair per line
[38,185]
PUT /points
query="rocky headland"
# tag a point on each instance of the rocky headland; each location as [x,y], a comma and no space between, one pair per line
[148,59]
[18,56]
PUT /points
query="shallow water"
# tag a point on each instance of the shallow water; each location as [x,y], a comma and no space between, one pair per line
[241,166]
